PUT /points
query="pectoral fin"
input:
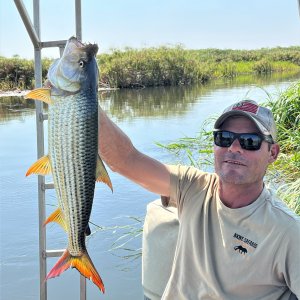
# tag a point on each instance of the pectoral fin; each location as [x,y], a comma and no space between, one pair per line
[101,173]
[40,167]
[57,216]
[42,94]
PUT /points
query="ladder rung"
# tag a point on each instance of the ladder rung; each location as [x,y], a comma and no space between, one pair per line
[48,186]
[43,117]
[53,253]
[49,44]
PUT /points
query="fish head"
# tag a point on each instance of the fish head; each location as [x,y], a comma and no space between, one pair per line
[77,68]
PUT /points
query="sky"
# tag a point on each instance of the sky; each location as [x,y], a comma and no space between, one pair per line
[195,24]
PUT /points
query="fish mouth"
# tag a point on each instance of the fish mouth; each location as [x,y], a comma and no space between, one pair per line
[76,41]
[90,49]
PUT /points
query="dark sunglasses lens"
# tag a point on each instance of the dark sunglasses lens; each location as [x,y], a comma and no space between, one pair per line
[250,141]
[223,138]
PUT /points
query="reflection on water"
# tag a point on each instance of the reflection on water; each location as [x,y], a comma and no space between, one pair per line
[172,101]
[15,108]
[148,102]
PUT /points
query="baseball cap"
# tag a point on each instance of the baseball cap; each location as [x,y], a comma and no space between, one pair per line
[261,116]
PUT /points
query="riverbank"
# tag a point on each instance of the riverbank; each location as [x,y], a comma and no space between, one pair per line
[14,93]
[20,93]
[164,66]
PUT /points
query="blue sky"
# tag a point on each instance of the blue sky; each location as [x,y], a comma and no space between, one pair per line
[195,24]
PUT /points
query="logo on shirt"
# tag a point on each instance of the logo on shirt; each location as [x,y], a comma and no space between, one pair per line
[246,245]
[241,249]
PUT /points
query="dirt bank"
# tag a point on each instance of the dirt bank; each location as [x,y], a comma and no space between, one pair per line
[15,93]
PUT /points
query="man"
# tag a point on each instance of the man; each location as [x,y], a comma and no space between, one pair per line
[236,240]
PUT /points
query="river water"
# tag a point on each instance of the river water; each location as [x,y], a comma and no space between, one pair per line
[148,116]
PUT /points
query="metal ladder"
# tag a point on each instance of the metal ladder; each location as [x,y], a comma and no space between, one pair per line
[34,33]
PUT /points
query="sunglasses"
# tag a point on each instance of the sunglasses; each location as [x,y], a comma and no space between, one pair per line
[248,141]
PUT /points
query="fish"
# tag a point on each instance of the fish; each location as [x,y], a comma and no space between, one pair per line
[71,91]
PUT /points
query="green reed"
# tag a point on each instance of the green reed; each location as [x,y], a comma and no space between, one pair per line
[286,110]
[175,65]
[195,151]
[18,73]
[124,239]
[150,67]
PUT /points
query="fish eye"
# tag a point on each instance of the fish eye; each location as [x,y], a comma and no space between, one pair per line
[81,63]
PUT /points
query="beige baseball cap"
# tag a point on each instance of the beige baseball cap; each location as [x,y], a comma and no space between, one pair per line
[261,116]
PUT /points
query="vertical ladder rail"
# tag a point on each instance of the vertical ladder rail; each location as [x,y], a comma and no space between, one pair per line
[34,33]
[78,19]
[40,153]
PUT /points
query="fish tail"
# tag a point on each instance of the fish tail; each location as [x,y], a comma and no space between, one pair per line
[82,263]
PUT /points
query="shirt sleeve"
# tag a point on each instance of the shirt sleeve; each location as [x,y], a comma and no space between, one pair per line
[290,261]
[185,183]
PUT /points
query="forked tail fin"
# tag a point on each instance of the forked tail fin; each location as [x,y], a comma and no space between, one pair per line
[82,263]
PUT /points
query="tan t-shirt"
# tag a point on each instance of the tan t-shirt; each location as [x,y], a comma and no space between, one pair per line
[251,252]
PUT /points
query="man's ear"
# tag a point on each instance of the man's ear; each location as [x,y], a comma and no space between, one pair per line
[274,151]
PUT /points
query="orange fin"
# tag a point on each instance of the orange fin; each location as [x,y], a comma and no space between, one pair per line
[82,263]
[57,216]
[40,167]
[101,173]
[42,94]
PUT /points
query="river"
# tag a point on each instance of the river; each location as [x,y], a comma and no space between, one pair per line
[148,116]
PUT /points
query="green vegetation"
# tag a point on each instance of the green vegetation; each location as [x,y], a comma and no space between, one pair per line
[18,73]
[164,66]
[286,112]
[175,66]
[195,151]
[284,174]
[126,242]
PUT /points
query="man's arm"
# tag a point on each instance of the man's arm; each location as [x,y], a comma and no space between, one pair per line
[117,150]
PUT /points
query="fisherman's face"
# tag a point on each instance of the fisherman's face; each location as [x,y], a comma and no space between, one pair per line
[236,165]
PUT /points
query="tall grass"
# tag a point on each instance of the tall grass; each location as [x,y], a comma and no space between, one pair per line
[18,73]
[291,54]
[150,67]
[175,66]
[286,112]
[163,66]
[195,151]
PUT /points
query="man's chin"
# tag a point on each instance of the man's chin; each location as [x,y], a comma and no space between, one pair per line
[232,177]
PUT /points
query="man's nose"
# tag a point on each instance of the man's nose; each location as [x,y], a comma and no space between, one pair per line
[235,146]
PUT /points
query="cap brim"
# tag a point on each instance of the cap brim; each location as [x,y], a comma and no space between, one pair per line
[232,113]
